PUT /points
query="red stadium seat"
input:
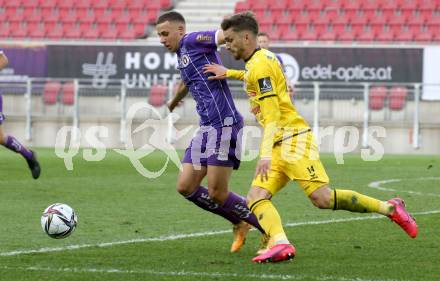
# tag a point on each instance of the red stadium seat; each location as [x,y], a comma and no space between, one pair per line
[242,6]
[275,33]
[278,6]
[110,32]
[323,19]
[347,35]
[397,19]
[104,19]
[51,15]
[83,4]
[123,17]
[57,32]
[20,31]
[423,36]
[377,97]
[127,32]
[73,32]
[367,35]
[302,21]
[396,98]
[427,5]
[390,5]
[31,4]
[297,5]
[140,17]
[50,92]
[408,5]
[349,5]
[386,35]
[34,15]
[66,5]
[328,35]
[68,91]
[359,20]
[3,16]
[288,34]
[283,19]
[166,4]
[371,5]
[158,94]
[68,16]
[118,5]
[316,5]
[100,4]
[404,34]
[4,30]
[48,4]
[91,33]
[13,3]
[258,4]
[37,31]
[86,16]
[416,20]
[17,16]
[136,4]
[309,34]
[377,20]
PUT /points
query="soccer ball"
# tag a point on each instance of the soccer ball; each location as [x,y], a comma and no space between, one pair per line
[59,220]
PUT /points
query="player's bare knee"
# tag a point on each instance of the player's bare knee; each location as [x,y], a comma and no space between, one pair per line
[217,195]
[185,187]
[257,193]
[321,197]
[2,137]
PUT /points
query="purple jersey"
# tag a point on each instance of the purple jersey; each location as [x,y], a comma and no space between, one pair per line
[213,98]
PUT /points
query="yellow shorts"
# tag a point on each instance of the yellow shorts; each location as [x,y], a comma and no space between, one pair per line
[295,159]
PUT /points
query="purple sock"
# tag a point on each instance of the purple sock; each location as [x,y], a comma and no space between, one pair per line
[237,205]
[14,145]
[200,197]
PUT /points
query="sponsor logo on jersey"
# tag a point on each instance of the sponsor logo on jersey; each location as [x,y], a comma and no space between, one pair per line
[202,37]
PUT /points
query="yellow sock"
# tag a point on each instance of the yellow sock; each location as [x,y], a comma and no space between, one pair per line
[269,220]
[355,202]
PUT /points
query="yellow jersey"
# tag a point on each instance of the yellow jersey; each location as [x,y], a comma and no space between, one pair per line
[266,87]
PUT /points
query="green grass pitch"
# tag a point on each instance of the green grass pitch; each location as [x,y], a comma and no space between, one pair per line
[133,228]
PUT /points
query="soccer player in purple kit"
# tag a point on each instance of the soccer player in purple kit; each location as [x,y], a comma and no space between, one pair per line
[212,152]
[12,143]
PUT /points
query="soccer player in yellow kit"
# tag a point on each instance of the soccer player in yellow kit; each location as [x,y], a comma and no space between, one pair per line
[288,151]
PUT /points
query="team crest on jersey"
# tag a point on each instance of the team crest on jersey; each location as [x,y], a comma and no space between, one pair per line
[265,85]
[184,60]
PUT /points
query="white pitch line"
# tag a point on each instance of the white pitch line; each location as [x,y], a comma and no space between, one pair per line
[196,274]
[378,185]
[189,235]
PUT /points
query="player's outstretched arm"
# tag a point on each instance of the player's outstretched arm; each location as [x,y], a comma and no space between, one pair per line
[3,60]
[220,72]
[181,92]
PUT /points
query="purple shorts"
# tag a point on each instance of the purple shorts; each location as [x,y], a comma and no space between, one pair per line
[215,147]
[2,117]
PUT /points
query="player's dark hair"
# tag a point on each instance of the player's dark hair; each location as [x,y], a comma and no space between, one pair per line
[170,16]
[262,34]
[240,22]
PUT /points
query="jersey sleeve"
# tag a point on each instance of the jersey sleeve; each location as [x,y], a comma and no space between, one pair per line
[203,39]
[235,74]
